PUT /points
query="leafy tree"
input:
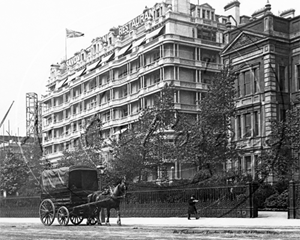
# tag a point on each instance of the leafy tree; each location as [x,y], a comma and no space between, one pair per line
[14,173]
[208,138]
[80,156]
[145,145]
[89,150]
[280,158]
[21,168]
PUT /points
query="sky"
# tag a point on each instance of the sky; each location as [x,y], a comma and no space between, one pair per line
[33,37]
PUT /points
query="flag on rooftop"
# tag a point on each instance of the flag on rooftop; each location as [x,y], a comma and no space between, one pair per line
[73,34]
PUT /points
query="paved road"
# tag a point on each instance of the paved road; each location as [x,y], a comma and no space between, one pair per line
[26,231]
[268,226]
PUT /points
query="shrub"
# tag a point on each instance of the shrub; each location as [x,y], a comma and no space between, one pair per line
[262,193]
[277,200]
[281,186]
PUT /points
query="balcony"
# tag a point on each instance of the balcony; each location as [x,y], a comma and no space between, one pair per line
[120,100]
[186,107]
[249,101]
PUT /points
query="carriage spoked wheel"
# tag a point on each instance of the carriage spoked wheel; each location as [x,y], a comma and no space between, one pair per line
[76,220]
[47,212]
[63,216]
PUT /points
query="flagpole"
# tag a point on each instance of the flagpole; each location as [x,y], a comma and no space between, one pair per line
[66,45]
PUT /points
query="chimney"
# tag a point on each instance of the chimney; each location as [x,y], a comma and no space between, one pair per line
[288,13]
[244,19]
[181,6]
[233,9]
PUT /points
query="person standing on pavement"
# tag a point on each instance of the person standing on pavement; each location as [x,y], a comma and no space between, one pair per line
[192,208]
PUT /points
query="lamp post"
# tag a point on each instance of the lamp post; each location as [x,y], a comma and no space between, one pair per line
[100,169]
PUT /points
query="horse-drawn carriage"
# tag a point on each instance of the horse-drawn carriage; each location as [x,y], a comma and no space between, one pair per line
[70,193]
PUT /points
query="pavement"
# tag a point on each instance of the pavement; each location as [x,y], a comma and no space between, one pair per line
[266,221]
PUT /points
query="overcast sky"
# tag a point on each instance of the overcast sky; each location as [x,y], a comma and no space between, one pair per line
[33,38]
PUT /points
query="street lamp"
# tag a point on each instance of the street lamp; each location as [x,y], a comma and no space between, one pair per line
[100,169]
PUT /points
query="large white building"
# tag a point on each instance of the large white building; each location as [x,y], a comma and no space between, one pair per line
[119,73]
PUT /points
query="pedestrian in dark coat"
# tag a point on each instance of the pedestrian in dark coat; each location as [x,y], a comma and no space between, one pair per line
[192,208]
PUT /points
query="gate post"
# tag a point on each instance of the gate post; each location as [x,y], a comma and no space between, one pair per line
[252,211]
[291,203]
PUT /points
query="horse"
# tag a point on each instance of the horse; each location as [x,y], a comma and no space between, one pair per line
[111,200]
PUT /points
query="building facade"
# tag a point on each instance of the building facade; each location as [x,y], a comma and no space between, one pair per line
[264,50]
[120,72]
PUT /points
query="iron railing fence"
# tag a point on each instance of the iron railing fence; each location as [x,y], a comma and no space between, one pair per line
[221,201]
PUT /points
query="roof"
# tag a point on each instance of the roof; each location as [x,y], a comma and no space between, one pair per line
[59,178]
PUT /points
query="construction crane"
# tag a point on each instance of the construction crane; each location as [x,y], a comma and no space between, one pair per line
[5,116]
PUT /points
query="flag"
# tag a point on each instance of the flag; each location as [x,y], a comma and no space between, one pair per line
[73,34]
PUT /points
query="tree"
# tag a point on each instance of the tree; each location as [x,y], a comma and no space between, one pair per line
[145,145]
[21,168]
[208,141]
[280,158]
[14,173]
[88,152]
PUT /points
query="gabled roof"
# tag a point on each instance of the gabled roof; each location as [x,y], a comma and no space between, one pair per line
[242,40]
[206,5]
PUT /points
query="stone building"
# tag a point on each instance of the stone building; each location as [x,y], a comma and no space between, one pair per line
[264,50]
[120,73]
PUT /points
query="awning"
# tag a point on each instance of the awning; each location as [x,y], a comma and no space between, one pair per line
[92,66]
[61,83]
[138,42]
[77,74]
[154,33]
[107,58]
[123,50]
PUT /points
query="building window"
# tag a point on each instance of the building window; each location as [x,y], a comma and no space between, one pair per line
[203,95]
[298,77]
[282,116]
[247,84]
[281,78]
[248,164]
[198,12]
[157,13]
[203,13]
[255,128]
[214,36]
[247,125]
[238,87]
[212,16]
[208,14]
[255,80]
[206,34]
[239,127]
[239,166]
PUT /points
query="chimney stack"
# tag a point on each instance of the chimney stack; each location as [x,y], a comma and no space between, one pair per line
[181,6]
[233,9]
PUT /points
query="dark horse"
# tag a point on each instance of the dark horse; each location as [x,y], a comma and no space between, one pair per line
[108,200]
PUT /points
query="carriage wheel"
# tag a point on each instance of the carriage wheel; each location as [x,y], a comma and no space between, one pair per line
[63,216]
[76,220]
[47,212]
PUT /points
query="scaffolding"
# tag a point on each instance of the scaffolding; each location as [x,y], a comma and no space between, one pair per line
[33,116]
